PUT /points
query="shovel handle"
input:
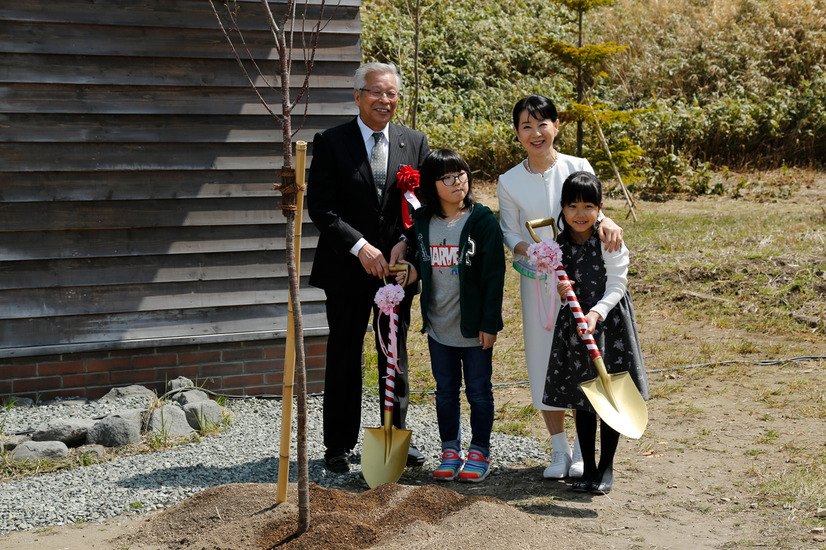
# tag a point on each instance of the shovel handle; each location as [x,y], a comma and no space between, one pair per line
[576,309]
[392,357]
[541,222]
[398,268]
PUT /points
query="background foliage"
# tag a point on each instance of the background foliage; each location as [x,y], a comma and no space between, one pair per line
[703,84]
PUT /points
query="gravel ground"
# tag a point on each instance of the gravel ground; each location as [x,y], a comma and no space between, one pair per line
[245,453]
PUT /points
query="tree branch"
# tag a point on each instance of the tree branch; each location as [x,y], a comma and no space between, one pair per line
[272,24]
[240,61]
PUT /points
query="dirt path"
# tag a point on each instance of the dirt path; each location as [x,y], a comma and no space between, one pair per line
[723,464]
[734,457]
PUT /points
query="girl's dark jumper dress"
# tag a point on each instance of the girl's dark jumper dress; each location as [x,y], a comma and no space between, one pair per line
[616,336]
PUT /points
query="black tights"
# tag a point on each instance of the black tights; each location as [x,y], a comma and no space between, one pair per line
[586,429]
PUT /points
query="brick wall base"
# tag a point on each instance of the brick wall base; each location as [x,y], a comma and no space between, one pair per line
[236,368]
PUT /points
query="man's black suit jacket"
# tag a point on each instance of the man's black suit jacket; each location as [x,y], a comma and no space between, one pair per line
[343,203]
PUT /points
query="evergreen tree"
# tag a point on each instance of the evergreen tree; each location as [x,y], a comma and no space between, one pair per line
[583,60]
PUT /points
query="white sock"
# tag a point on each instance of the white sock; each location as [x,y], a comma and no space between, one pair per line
[560,442]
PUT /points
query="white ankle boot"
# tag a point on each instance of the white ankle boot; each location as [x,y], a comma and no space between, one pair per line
[560,457]
[577,467]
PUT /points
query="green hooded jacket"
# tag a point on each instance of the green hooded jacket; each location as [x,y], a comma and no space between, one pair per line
[481,271]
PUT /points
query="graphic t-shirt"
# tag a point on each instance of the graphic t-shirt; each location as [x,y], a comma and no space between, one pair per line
[443,311]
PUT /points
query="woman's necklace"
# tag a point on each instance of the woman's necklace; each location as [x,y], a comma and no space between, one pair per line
[553,163]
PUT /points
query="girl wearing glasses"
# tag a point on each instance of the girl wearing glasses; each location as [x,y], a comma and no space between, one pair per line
[529,191]
[461,262]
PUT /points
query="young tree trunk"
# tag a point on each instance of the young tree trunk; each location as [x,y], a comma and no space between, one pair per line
[288,198]
[300,372]
[579,94]
[283,40]
[417,25]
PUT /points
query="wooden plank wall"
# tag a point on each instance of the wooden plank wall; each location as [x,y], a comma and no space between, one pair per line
[136,174]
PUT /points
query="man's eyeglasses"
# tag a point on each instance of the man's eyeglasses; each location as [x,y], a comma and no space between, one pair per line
[378,94]
[452,180]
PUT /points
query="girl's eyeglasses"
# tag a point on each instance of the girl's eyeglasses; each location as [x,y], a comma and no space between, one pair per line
[452,180]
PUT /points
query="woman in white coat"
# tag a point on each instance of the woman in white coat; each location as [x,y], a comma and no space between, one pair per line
[529,191]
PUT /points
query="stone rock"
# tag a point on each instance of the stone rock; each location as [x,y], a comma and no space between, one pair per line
[169,420]
[179,383]
[39,450]
[190,396]
[98,451]
[127,391]
[22,402]
[12,441]
[114,431]
[72,431]
[203,414]
[139,417]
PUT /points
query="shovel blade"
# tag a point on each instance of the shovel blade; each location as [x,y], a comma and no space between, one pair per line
[384,454]
[619,403]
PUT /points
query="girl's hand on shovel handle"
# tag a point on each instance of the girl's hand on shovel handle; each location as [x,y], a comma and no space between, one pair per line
[411,276]
[592,317]
[562,288]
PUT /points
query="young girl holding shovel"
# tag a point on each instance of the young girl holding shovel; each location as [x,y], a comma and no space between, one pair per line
[600,279]
[461,263]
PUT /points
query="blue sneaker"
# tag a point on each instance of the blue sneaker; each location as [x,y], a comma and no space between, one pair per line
[451,465]
[476,468]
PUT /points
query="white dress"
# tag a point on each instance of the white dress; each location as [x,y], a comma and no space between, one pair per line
[523,197]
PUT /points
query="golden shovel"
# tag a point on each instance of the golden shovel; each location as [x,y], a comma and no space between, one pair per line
[384,452]
[614,397]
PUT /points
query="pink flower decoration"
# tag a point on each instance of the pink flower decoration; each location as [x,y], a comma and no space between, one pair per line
[546,255]
[388,297]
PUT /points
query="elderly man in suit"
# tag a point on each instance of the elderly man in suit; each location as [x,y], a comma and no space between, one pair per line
[354,201]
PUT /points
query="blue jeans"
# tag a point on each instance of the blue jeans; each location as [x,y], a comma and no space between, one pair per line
[448,364]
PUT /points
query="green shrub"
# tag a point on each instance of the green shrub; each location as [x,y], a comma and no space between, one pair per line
[710,83]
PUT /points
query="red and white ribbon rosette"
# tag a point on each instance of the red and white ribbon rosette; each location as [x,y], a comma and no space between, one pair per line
[546,255]
[408,180]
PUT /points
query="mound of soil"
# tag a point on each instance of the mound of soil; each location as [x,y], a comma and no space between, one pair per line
[245,516]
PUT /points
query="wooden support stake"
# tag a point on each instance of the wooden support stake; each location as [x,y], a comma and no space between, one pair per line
[289,354]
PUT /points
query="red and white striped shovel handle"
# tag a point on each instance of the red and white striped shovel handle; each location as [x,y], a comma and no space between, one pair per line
[392,358]
[392,351]
[576,309]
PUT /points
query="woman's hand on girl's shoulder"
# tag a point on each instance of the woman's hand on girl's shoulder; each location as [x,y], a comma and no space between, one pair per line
[610,234]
